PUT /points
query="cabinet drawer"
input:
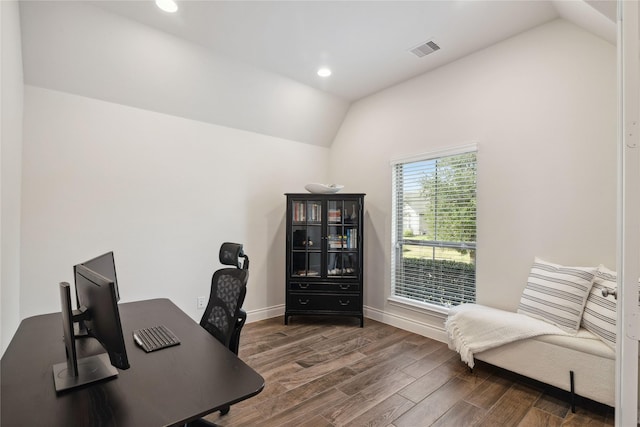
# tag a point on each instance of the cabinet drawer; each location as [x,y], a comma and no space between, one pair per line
[324,287]
[322,302]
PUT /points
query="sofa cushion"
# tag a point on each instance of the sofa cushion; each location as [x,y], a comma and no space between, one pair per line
[584,342]
[600,312]
[557,294]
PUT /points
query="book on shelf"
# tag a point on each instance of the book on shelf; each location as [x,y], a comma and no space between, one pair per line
[303,212]
[336,244]
[348,241]
[315,213]
[299,211]
[306,273]
[351,239]
[334,215]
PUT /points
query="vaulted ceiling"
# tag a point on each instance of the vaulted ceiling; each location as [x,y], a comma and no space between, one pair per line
[252,65]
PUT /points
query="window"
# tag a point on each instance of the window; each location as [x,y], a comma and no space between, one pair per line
[434,228]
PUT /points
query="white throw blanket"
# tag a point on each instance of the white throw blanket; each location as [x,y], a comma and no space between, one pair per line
[474,328]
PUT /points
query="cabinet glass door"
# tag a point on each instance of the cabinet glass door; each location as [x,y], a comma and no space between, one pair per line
[342,238]
[306,242]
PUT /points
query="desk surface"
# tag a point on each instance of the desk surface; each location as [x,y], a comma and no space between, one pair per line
[165,387]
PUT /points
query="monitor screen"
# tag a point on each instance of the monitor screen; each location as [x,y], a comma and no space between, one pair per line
[96,294]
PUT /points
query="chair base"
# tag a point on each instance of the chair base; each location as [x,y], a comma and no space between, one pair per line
[200,423]
[204,423]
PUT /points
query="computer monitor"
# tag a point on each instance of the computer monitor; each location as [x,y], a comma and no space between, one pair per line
[104,265]
[98,309]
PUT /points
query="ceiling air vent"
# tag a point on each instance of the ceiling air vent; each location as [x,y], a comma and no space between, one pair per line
[425,49]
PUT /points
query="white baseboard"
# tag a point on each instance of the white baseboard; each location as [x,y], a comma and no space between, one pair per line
[401,322]
[407,324]
[265,313]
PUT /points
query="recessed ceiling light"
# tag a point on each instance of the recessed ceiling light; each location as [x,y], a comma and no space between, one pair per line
[167,5]
[324,72]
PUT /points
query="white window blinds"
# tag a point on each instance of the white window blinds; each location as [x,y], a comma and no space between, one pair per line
[434,228]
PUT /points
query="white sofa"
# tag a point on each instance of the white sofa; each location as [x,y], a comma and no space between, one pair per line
[579,358]
[580,363]
[551,358]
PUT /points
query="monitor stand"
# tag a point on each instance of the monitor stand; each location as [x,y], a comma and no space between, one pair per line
[76,372]
[90,369]
[79,330]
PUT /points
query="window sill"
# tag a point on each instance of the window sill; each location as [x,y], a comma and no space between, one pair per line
[420,307]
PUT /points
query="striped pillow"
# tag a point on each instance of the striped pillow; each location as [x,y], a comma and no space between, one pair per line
[556,294]
[600,313]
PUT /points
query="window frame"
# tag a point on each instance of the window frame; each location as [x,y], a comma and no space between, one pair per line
[399,300]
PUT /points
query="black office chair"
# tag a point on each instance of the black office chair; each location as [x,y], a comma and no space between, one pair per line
[224,316]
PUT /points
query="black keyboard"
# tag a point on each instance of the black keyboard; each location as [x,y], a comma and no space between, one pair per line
[155,338]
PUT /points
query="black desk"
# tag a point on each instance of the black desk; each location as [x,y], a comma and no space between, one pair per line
[166,387]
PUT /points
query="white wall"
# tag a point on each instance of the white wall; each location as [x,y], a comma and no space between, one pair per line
[162,192]
[11,164]
[542,107]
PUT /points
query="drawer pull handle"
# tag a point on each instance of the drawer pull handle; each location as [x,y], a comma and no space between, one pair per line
[303,302]
[344,302]
[303,285]
[343,287]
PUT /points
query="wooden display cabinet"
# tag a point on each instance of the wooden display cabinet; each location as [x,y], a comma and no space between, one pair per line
[324,255]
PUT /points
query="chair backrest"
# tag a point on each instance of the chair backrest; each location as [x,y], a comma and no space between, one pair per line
[228,290]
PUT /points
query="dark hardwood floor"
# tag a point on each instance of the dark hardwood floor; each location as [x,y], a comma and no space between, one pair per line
[325,372]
